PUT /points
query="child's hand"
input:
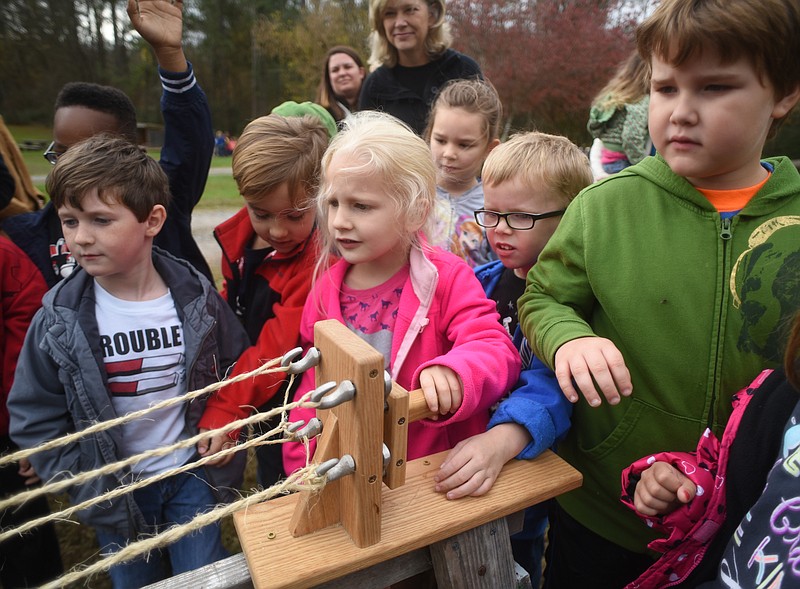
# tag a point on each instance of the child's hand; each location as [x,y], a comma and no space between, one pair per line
[662,489]
[160,23]
[213,444]
[442,389]
[471,468]
[27,472]
[590,360]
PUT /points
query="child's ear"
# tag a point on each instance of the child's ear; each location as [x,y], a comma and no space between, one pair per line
[492,144]
[785,104]
[155,220]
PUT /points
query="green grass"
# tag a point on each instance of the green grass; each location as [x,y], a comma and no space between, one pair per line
[220,189]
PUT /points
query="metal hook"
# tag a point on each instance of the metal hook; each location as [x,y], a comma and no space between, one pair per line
[343,393]
[387,384]
[337,468]
[310,359]
[322,390]
[296,430]
[387,456]
[289,356]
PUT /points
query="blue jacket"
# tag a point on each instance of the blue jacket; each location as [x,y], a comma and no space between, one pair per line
[536,401]
[185,158]
[60,385]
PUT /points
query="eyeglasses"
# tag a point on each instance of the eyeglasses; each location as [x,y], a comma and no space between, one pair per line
[52,155]
[519,221]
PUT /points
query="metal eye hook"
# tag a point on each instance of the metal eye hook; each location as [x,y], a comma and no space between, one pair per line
[321,391]
[289,356]
[387,456]
[310,359]
[342,467]
[343,393]
[312,430]
[387,384]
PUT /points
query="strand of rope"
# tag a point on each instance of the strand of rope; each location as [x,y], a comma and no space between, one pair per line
[303,479]
[100,426]
[117,492]
[79,479]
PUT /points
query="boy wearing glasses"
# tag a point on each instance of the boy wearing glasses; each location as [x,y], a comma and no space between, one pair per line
[84,109]
[528,183]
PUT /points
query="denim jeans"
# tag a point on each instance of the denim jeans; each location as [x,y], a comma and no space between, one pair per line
[176,500]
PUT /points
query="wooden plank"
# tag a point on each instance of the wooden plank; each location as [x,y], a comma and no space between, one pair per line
[319,509]
[479,558]
[360,427]
[414,516]
[395,436]
[228,573]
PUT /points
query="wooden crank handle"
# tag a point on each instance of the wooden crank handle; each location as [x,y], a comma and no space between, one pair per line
[418,407]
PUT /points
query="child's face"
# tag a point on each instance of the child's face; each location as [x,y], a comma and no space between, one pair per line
[519,249]
[108,241]
[72,124]
[710,120]
[363,224]
[280,224]
[459,146]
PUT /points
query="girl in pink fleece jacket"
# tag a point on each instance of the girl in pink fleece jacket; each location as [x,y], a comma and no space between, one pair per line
[421,307]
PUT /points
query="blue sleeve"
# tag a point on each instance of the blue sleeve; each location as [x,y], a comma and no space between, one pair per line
[185,158]
[537,404]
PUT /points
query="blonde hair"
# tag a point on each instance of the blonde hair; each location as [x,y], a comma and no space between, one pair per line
[382,146]
[630,83]
[274,149]
[766,32]
[119,170]
[535,158]
[437,41]
[475,96]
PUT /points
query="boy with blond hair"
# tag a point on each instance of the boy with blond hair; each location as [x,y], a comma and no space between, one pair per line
[269,250]
[133,326]
[528,183]
[670,284]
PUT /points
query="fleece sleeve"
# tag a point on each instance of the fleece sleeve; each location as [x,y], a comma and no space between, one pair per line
[480,351]
[279,334]
[294,454]
[538,405]
[558,296]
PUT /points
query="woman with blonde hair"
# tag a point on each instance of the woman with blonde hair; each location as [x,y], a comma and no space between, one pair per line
[411,59]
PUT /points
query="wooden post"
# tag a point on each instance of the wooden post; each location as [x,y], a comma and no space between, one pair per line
[355,500]
[479,558]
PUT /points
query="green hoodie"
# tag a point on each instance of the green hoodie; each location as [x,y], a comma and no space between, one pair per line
[696,305]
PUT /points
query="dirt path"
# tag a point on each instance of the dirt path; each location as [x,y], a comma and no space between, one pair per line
[203,223]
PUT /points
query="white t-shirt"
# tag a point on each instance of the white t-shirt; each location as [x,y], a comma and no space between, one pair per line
[143,350]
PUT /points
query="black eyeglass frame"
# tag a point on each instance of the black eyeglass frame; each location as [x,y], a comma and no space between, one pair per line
[50,154]
[533,217]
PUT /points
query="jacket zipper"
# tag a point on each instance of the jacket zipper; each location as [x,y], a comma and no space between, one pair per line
[725,234]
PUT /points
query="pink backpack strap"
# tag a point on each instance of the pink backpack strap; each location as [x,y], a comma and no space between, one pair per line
[691,527]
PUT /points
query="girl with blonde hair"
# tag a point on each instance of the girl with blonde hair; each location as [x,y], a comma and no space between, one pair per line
[421,307]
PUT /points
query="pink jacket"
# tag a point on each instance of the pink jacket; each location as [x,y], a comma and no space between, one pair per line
[445,319]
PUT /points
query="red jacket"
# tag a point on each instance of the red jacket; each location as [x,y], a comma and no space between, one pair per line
[22,288]
[284,281]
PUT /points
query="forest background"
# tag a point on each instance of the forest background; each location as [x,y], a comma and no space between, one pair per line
[547,58]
